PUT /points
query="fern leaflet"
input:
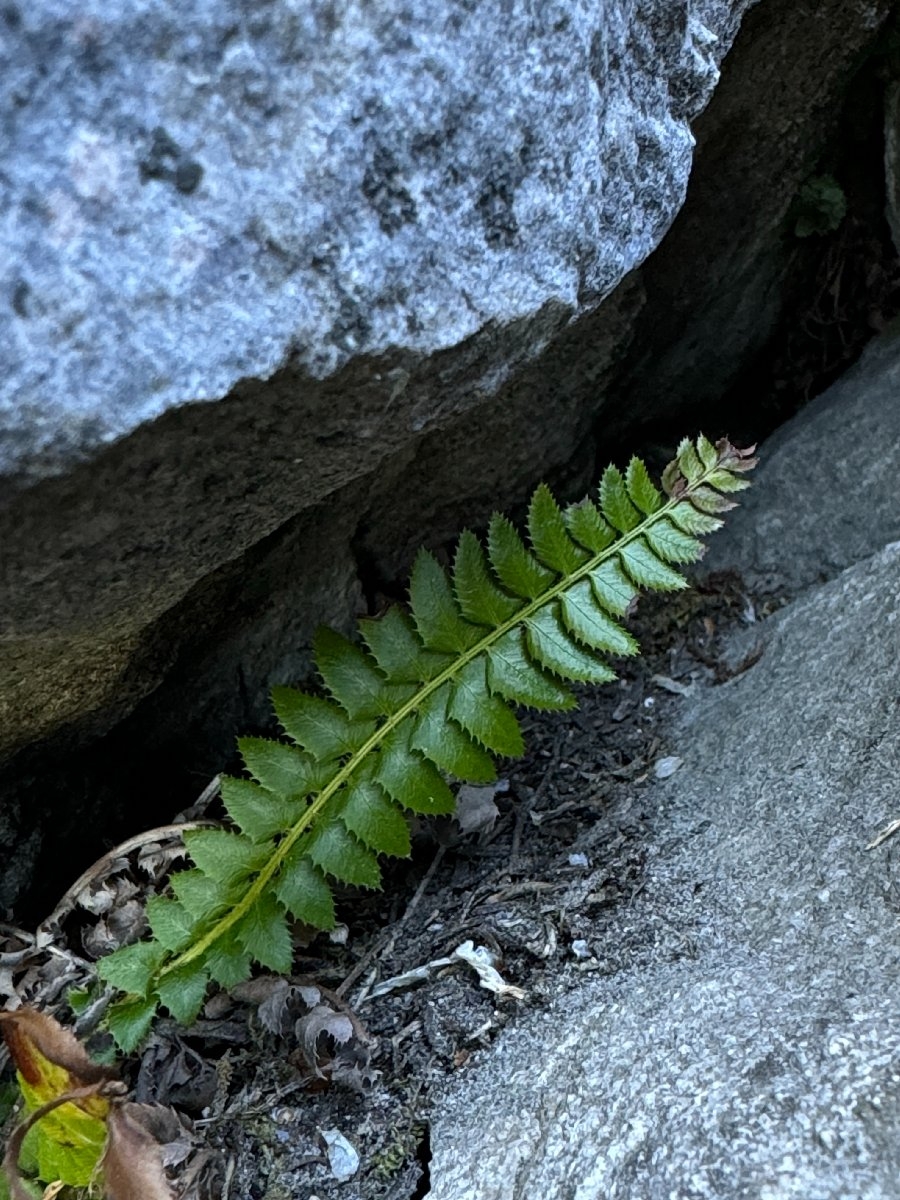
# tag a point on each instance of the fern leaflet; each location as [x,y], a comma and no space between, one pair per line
[425,695]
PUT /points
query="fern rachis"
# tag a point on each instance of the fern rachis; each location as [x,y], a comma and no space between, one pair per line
[427,695]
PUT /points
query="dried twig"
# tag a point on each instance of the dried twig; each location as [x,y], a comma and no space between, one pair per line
[229,1175]
[15,958]
[384,945]
[888,831]
[98,869]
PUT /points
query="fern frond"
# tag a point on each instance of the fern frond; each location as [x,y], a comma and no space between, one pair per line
[426,695]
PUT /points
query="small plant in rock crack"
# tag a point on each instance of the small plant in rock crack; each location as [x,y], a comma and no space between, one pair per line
[425,695]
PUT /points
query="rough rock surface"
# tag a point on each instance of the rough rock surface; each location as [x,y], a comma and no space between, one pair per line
[201,195]
[751,1046]
[830,482]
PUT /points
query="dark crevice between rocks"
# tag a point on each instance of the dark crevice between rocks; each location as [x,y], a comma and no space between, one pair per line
[379,587]
[147,767]
[422,1157]
[835,290]
[845,287]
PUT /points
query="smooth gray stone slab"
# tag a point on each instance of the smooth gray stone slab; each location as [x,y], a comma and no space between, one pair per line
[197,194]
[753,1050]
[826,491]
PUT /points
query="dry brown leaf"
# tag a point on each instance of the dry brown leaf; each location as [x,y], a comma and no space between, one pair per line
[38,1044]
[332,1042]
[132,1162]
[273,1010]
[278,1000]
[173,1072]
[57,1076]
[67,1094]
[353,1075]
[167,1128]
[318,1021]
[119,927]
[476,811]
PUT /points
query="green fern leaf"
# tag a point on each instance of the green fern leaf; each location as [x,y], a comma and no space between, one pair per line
[613,588]
[479,597]
[726,482]
[130,1020]
[707,452]
[263,933]
[670,543]
[182,991]
[318,725]
[641,490]
[689,461]
[353,678]
[427,694]
[223,856]
[587,527]
[552,646]
[228,961]
[447,745]
[304,891]
[649,571]
[255,810]
[549,536]
[399,651]
[336,852]
[375,820]
[513,675]
[709,501]
[171,923]
[200,895]
[517,569]
[691,520]
[132,968]
[435,612]
[409,778]
[585,618]
[616,503]
[284,770]
[484,716]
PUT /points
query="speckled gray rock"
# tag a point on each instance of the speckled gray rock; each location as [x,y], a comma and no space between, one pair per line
[843,450]
[751,1049]
[193,195]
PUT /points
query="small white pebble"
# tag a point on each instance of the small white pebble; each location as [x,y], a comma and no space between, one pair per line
[581,949]
[665,767]
[342,1155]
[579,860]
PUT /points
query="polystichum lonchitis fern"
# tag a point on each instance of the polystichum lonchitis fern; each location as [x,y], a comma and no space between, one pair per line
[427,695]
